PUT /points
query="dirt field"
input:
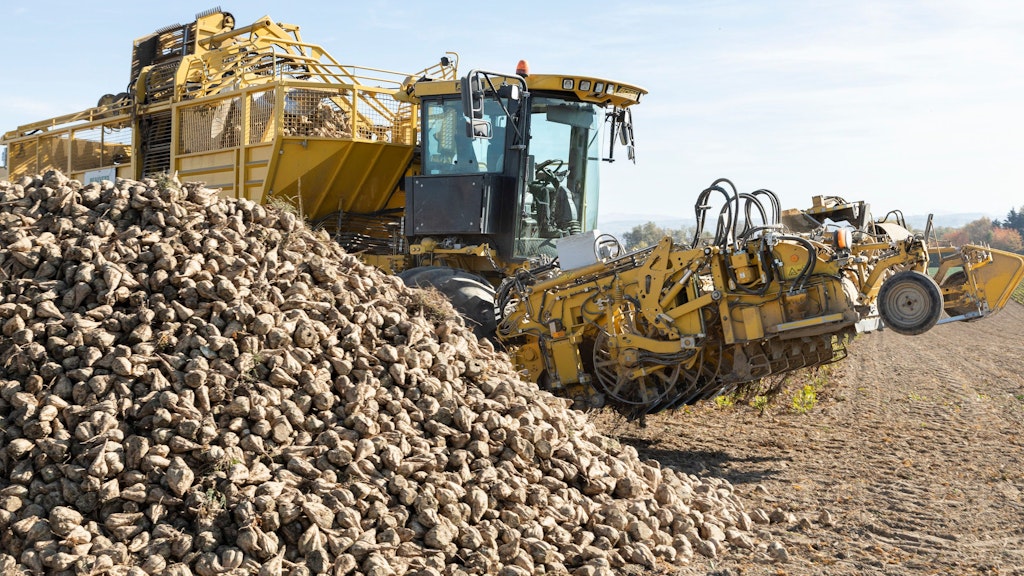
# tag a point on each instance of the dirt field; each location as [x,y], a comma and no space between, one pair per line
[911,461]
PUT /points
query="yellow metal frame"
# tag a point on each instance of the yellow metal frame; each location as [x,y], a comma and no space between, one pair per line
[992,276]
[621,96]
[358,171]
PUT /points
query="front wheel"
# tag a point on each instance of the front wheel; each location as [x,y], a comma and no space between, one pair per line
[470,295]
[910,303]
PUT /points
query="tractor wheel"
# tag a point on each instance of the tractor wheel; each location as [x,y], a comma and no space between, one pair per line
[910,303]
[470,295]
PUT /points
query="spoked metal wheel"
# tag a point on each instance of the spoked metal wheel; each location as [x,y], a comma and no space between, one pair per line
[629,377]
[694,384]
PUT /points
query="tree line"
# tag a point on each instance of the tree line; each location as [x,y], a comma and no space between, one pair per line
[1000,234]
[1005,234]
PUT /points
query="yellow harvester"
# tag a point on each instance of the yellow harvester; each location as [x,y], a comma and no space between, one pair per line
[486,186]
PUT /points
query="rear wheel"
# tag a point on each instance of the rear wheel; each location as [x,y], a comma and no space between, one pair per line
[910,303]
[470,295]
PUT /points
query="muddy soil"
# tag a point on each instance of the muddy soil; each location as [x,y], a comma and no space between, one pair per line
[910,462]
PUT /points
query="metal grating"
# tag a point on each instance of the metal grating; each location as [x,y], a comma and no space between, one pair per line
[21,158]
[327,114]
[210,126]
[317,113]
[379,233]
[87,149]
[173,41]
[261,112]
[376,113]
[53,152]
[160,81]
[155,133]
[117,145]
[100,146]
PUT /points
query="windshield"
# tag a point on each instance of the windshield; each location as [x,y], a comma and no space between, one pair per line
[561,198]
[447,148]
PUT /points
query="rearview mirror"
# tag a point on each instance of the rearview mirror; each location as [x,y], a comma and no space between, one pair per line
[478,129]
[472,96]
[625,129]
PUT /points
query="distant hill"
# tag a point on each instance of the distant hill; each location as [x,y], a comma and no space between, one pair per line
[619,224]
[949,220]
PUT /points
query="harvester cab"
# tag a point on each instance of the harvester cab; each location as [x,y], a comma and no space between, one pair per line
[510,165]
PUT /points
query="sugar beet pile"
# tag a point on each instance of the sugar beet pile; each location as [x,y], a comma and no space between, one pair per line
[190,385]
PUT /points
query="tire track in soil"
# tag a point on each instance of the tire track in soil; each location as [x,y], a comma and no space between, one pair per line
[916,450]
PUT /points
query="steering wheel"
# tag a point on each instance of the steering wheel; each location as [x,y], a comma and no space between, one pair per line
[608,247]
[550,169]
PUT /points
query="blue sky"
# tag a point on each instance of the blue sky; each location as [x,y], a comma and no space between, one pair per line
[910,105]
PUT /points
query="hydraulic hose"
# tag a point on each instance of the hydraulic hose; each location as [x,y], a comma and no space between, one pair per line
[812,256]
[725,231]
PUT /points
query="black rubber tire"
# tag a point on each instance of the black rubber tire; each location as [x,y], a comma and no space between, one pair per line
[470,295]
[910,303]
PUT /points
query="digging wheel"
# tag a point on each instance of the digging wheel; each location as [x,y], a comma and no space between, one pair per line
[630,378]
[910,303]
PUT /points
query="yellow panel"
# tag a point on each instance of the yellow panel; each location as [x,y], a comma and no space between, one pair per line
[206,160]
[338,174]
[998,278]
[808,322]
[690,323]
[255,173]
[566,356]
[793,257]
[747,323]
[215,170]
[255,170]
[258,153]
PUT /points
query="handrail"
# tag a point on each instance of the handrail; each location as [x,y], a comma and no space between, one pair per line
[89,115]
